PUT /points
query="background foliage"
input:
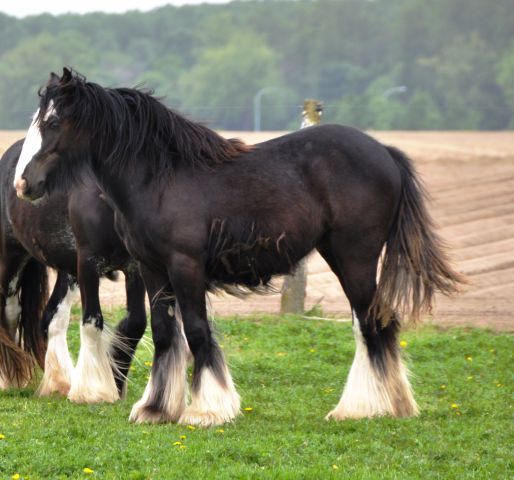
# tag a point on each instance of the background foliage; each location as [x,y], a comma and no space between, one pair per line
[455,58]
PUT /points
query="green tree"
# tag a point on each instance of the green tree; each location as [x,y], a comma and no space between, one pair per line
[421,113]
[221,86]
[24,69]
[505,78]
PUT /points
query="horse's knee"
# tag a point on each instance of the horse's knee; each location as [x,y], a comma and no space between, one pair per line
[133,326]
[198,336]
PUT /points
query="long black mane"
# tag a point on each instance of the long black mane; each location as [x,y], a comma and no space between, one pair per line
[124,125]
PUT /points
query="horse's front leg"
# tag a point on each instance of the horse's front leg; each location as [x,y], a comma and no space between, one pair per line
[54,325]
[164,398]
[93,379]
[214,399]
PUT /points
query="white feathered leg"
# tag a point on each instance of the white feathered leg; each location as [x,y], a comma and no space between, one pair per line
[370,392]
[93,378]
[164,398]
[58,363]
[214,399]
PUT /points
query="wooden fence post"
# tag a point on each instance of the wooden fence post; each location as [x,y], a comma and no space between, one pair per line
[293,288]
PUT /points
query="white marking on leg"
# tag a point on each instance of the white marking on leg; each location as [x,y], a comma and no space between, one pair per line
[178,317]
[58,362]
[213,403]
[369,393]
[164,398]
[93,378]
[13,308]
[12,315]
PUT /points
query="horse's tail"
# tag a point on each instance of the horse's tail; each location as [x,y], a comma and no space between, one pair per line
[33,299]
[17,354]
[415,264]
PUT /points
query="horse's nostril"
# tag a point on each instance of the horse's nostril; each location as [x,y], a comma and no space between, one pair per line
[21,186]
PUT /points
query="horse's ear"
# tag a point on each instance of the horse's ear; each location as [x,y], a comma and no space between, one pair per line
[66,75]
[54,79]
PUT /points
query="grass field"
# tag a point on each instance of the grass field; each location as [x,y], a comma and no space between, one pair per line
[290,373]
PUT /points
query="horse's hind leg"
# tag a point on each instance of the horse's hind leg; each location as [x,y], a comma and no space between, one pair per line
[377,383]
[130,330]
[55,323]
[164,398]
[93,378]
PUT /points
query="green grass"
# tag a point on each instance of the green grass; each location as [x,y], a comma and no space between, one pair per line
[290,372]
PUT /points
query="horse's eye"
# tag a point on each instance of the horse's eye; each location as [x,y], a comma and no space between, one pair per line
[53,124]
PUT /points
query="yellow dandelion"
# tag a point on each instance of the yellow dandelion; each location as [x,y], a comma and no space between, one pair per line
[182,447]
[492,350]
[2,436]
[469,358]
[191,427]
[403,343]
[312,350]
[87,471]
[470,377]
[182,437]
[16,476]
[148,364]
[245,339]
[132,368]
[455,405]
[335,467]
[281,354]
[443,387]
[177,443]
[248,409]
[220,430]
[328,390]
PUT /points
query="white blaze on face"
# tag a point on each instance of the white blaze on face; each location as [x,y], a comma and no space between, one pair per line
[32,143]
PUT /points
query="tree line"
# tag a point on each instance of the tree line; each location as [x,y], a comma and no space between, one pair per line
[381,64]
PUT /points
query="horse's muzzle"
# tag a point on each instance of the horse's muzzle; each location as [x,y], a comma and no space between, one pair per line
[21,186]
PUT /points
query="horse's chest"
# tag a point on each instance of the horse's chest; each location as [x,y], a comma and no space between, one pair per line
[136,237]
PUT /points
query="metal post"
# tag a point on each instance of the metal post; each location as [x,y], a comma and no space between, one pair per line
[294,286]
[257,106]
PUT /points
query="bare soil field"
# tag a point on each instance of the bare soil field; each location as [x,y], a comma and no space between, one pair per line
[470,176]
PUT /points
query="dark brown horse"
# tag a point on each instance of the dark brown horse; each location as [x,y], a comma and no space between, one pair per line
[199,211]
[74,234]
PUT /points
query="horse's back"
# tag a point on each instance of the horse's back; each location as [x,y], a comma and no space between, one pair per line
[346,171]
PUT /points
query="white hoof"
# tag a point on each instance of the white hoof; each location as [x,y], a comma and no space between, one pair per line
[214,402]
[57,377]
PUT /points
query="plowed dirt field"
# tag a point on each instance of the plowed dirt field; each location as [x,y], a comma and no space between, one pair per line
[470,176]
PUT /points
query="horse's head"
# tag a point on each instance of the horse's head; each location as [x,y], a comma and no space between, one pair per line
[50,140]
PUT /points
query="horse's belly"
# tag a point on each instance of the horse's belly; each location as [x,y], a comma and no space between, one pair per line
[253,266]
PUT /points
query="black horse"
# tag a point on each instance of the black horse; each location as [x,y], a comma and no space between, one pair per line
[199,211]
[74,234]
